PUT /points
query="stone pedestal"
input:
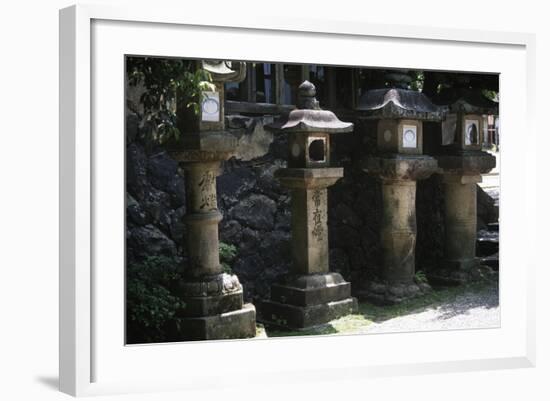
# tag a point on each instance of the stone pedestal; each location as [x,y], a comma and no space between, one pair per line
[399,174]
[213,299]
[461,174]
[310,295]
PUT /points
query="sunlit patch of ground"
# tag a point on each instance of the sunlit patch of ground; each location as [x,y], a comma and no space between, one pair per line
[467,306]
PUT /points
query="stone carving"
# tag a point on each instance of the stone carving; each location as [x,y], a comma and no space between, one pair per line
[208,197]
[317,216]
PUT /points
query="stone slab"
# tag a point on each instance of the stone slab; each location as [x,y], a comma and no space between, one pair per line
[310,281]
[311,296]
[299,317]
[213,141]
[467,162]
[309,178]
[386,293]
[236,324]
[455,272]
[401,167]
[213,305]
[454,276]
[464,264]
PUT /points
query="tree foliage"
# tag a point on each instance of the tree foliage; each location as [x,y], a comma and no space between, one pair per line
[168,84]
[151,303]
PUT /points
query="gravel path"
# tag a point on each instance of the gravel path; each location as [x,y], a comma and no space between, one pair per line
[467,311]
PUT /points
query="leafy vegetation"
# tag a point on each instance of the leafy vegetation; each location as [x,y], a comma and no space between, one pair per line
[151,306]
[491,94]
[168,84]
[420,277]
[228,252]
[417,82]
[152,300]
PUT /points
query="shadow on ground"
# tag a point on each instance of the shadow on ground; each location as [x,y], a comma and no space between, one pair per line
[470,301]
[49,381]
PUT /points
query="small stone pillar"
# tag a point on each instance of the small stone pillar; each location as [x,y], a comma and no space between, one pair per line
[460,220]
[310,295]
[462,162]
[397,115]
[398,233]
[213,299]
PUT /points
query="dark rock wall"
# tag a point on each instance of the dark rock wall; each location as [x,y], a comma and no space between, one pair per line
[256,209]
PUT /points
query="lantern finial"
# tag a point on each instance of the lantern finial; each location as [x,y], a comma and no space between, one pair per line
[306,96]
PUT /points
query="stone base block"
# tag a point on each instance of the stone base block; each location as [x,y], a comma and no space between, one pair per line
[454,276]
[240,323]
[398,167]
[461,265]
[309,178]
[491,261]
[301,297]
[311,290]
[299,317]
[213,305]
[467,162]
[392,293]
[203,147]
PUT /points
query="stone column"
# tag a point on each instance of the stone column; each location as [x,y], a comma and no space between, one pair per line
[310,295]
[398,174]
[461,174]
[460,220]
[309,229]
[213,299]
[202,218]
[399,230]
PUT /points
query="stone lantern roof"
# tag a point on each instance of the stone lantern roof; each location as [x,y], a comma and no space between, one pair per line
[225,71]
[474,102]
[389,103]
[309,117]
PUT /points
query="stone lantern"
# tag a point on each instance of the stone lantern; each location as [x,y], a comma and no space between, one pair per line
[213,299]
[462,162]
[397,115]
[310,294]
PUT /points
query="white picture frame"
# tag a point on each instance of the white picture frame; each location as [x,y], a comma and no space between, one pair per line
[93,357]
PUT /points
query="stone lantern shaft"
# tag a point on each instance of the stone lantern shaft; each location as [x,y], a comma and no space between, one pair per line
[398,234]
[460,218]
[309,219]
[309,231]
[461,174]
[202,218]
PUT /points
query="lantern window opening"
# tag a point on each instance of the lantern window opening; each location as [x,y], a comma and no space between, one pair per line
[471,132]
[317,151]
